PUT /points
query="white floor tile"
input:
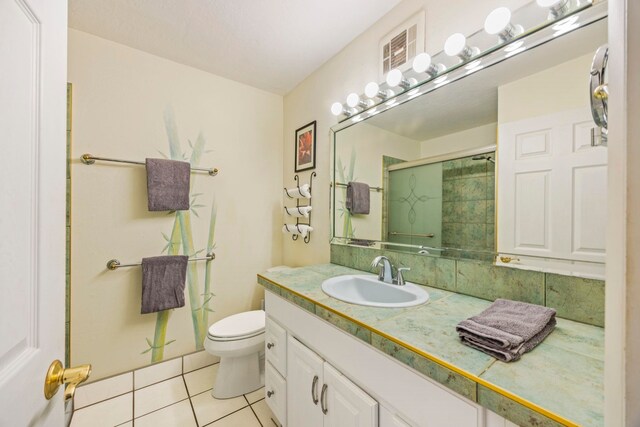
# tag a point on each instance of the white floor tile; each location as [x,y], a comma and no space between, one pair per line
[255,395]
[159,395]
[108,413]
[266,417]
[244,418]
[201,380]
[198,360]
[176,415]
[156,373]
[127,424]
[102,390]
[208,408]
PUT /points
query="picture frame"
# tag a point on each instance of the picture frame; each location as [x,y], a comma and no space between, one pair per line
[305,147]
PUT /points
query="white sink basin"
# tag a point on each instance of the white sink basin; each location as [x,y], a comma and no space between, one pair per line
[366,289]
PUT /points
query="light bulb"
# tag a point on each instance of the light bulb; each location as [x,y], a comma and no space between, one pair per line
[353,100]
[456,45]
[557,8]
[371,89]
[336,108]
[394,78]
[498,23]
[497,20]
[422,64]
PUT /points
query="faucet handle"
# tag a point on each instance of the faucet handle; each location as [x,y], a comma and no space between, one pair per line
[400,277]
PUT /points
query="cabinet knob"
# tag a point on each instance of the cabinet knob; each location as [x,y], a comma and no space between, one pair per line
[269,345]
[270,393]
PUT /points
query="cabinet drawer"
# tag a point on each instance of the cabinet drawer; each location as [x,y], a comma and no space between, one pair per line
[276,346]
[276,393]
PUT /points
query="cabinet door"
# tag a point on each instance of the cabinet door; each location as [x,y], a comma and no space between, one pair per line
[345,404]
[304,380]
[276,346]
[276,392]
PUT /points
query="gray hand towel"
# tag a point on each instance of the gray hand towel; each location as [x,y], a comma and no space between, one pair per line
[358,195]
[168,184]
[508,329]
[163,282]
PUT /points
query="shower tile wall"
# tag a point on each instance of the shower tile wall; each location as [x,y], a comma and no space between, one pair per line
[468,204]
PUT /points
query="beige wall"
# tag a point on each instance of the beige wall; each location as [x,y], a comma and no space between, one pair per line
[120,96]
[467,139]
[560,88]
[349,71]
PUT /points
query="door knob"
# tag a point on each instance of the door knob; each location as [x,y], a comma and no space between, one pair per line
[58,375]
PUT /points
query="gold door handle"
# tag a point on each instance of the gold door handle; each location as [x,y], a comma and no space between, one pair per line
[58,375]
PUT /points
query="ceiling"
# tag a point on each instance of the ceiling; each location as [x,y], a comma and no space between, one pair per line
[269,44]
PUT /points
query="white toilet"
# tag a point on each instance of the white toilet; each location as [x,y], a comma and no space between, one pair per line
[239,342]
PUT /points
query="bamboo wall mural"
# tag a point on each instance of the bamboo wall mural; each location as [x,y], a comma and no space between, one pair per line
[346,176]
[181,240]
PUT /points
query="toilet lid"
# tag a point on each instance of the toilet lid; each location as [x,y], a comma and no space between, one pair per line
[239,325]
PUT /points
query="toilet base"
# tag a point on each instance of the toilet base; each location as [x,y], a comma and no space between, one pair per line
[238,375]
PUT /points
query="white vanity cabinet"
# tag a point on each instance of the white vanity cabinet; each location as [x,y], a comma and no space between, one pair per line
[320,396]
[379,391]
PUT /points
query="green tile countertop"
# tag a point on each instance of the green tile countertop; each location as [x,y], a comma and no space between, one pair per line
[559,383]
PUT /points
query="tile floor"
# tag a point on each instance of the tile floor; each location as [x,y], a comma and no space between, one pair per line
[135,399]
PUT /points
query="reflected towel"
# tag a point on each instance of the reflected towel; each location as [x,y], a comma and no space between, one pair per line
[299,212]
[163,280]
[299,192]
[358,195]
[168,185]
[507,329]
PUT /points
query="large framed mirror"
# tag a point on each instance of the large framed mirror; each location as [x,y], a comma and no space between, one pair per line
[498,165]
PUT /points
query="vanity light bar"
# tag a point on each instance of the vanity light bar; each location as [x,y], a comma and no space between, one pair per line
[498,23]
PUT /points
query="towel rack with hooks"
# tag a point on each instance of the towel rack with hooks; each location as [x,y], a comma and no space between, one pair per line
[115,264]
[89,159]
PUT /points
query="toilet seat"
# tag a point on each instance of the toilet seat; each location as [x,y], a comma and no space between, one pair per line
[238,326]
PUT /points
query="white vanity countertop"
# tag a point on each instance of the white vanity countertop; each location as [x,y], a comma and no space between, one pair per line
[558,383]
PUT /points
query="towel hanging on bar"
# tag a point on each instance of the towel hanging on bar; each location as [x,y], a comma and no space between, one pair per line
[299,212]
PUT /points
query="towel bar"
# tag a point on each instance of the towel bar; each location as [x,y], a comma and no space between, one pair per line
[378,189]
[115,264]
[397,233]
[88,159]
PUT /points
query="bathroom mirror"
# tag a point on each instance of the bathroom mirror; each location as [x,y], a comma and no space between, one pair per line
[498,165]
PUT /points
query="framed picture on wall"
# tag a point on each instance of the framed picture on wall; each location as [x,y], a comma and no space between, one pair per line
[305,146]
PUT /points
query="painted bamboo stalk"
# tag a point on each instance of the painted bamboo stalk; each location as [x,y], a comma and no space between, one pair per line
[162,319]
[207,295]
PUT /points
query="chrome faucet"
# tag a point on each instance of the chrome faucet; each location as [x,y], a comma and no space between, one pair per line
[386,271]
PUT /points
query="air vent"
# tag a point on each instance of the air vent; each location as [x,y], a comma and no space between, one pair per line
[400,46]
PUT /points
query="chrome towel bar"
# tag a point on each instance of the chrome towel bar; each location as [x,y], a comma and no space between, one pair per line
[396,233]
[378,189]
[115,264]
[89,159]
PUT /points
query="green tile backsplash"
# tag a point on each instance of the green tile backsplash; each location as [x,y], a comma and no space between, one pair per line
[468,205]
[574,298]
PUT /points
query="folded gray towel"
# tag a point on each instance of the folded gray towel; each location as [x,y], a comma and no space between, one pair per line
[508,329]
[163,282]
[358,195]
[168,184]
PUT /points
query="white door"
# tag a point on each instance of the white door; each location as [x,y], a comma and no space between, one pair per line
[346,405]
[552,189]
[304,383]
[33,58]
